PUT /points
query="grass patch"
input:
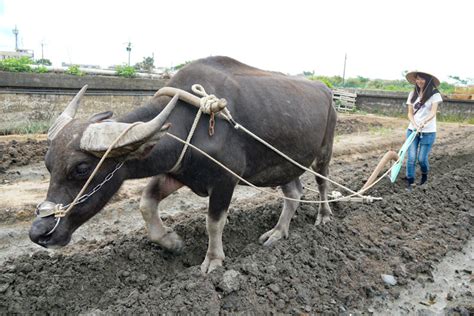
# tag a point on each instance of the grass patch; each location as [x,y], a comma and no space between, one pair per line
[380,130]
[40,127]
[453,118]
[441,117]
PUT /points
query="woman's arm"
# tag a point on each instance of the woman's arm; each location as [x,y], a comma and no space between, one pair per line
[434,109]
[411,116]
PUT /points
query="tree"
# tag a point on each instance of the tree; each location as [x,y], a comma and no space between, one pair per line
[459,81]
[146,65]
[43,61]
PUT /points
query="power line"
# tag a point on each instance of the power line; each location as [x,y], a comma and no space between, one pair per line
[344,71]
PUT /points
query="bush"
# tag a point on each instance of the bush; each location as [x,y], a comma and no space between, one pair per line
[40,69]
[74,70]
[326,81]
[21,64]
[43,61]
[377,84]
[125,71]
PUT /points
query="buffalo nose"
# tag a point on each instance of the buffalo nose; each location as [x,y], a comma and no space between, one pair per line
[35,235]
[39,229]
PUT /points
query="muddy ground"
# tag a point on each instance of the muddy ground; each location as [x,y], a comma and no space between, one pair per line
[423,240]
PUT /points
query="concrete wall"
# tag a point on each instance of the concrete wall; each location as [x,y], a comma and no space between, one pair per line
[27,99]
[19,110]
[394,104]
[64,81]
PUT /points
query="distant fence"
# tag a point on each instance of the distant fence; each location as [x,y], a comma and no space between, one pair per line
[344,101]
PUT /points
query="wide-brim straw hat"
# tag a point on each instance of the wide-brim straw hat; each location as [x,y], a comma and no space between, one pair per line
[411,77]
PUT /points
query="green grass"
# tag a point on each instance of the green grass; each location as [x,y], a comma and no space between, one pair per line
[453,118]
[380,130]
[27,128]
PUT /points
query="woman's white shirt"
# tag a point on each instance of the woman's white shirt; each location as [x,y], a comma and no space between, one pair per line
[424,112]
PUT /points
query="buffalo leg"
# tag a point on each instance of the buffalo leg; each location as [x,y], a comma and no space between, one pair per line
[321,166]
[219,201]
[157,189]
[292,190]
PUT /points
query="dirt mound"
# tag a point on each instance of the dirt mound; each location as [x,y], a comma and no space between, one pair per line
[355,124]
[332,269]
[14,153]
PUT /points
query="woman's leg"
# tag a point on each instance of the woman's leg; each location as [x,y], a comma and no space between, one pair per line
[411,159]
[426,143]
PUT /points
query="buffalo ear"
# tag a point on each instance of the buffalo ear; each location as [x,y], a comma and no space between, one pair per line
[98,117]
[145,149]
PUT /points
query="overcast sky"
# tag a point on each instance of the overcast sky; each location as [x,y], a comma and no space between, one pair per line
[381,38]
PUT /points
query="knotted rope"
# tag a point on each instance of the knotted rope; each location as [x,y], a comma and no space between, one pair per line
[209,104]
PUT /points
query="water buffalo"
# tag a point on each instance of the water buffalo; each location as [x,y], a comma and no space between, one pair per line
[293,114]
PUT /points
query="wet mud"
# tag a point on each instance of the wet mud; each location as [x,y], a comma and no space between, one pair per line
[337,268]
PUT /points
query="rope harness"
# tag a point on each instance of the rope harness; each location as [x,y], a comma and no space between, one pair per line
[210,105]
[225,113]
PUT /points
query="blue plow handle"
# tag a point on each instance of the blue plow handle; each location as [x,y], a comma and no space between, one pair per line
[401,154]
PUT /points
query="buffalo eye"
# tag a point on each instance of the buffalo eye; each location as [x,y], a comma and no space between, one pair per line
[82,170]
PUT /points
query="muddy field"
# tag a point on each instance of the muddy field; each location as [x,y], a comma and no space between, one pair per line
[422,241]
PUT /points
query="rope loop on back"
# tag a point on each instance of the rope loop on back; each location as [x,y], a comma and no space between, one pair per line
[209,102]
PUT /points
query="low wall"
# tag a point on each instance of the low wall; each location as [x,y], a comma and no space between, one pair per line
[20,110]
[44,81]
[28,99]
[394,104]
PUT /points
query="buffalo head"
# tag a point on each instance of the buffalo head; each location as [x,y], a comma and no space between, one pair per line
[75,149]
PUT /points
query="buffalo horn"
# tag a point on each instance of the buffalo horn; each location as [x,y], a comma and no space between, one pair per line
[99,136]
[183,95]
[67,115]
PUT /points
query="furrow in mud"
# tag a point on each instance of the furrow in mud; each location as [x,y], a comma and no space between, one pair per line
[335,268]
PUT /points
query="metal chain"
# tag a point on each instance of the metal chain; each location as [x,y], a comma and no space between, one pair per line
[83,198]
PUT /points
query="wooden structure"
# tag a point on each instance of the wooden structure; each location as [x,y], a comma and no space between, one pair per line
[344,101]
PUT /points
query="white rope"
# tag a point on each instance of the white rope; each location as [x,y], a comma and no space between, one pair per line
[369,198]
[238,126]
[358,193]
[59,212]
[198,89]
[211,104]
[190,135]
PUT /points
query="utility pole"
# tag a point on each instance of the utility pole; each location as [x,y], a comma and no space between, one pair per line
[42,52]
[344,71]
[129,49]
[15,32]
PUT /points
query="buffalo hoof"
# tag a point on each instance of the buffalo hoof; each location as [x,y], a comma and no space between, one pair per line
[210,264]
[170,240]
[272,236]
[322,219]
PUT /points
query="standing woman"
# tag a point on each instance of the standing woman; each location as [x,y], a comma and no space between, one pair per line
[422,105]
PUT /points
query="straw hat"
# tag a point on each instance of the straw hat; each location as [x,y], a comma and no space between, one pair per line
[411,76]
